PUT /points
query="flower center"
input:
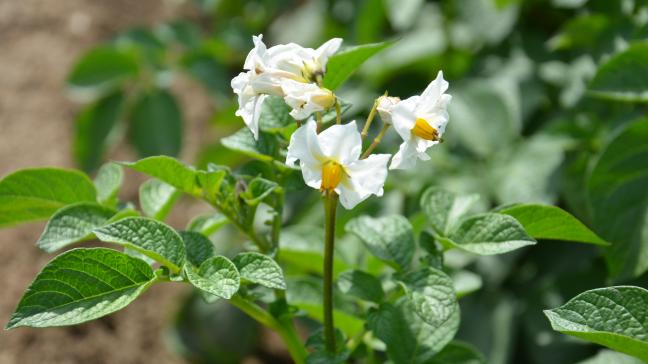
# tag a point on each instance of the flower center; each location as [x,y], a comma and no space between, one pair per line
[312,71]
[331,175]
[423,130]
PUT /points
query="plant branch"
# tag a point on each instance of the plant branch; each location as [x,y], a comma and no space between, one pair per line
[375,142]
[338,112]
[370,118]
[330,206]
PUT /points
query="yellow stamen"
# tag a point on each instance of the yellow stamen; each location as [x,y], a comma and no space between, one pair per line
[424,130]
[331,176]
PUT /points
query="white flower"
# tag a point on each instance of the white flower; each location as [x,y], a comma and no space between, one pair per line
[420,121]
[267,70]
[306,98]
[330,162]
[385,106]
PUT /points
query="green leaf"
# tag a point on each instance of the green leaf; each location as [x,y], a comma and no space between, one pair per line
[618,196]
[72,224]
[169,170]
[92,129]
[207,224]
[302,247]
[623,77]
[489,234]
[408,338]
[243,141]
[207,70]
[156,124]
[432,295]
[35,194]
[551,222]
[257,190]
[389,238]
[608,356]
[101,68]
[149,237]
[157,198]
[199,248]
[360,284]
[275,114]
[260,269]
[108,182]
[217,276]
[616,317]
[457,352]
[443,209]
[81,285]
[342,64]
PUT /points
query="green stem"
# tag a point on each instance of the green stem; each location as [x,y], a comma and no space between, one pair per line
[330,205]
[338,112]
[375,142]
[370,118]
[284,327]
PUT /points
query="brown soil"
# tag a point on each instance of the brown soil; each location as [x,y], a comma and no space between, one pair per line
[39,41]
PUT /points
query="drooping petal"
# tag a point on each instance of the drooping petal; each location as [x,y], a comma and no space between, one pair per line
[326,50]
[304,146]
[341,143]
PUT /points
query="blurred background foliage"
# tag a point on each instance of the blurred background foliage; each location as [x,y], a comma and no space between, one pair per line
[548,100]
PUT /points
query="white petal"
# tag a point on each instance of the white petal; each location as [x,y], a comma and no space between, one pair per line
[366,177]
[406,156]
[312,175]
[304,98]
[304,146]
[341,143]
[404,117]
[436,88]
[326,50]
[256,55]
[385,107]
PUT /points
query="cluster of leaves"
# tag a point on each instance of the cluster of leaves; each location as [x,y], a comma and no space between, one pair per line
[534,121]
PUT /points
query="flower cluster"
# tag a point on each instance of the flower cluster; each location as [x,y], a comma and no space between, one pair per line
[332,160]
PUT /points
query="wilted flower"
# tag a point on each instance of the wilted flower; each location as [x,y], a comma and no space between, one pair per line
[330,161]
[290,71]
[420,121]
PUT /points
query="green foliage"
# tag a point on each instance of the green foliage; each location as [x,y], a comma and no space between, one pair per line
[102,68]
[444,209]
[341,65]
[169,170]
[361,285]
[72,224]
[488,234]
[199,248]
[432,295]
[243,142]
[617,188]
[108,183]
[93,128]
[35,194]
[156,124]
[149,237]
[615,317]
[260,269]
[389,238]
[216,276]
[157,198]
[623,76]
[81,285]
[551,222]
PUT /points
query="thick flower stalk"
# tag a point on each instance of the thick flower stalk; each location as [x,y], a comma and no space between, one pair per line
[330,161]
[420,121]
[287,70]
